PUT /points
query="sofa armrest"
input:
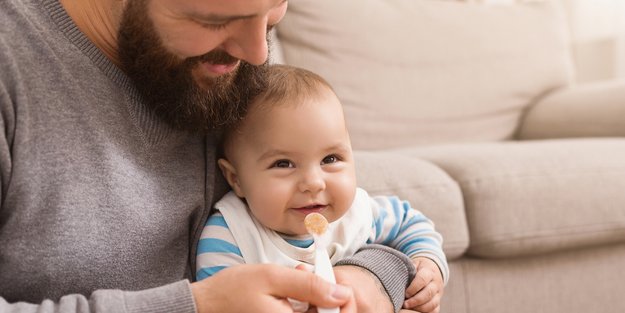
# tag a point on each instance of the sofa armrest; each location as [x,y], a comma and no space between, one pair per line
[588,110]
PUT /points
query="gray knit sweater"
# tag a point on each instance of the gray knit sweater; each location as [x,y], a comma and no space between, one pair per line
[101,202]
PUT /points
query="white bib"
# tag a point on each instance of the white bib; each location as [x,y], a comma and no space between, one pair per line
[259,244]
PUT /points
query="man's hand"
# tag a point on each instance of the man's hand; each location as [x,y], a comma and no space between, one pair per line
[263,288]
[371,297]
[425,291]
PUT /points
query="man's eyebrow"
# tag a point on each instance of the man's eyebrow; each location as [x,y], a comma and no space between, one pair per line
[220,18]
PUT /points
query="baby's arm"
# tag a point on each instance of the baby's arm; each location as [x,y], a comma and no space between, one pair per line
[217,248]
[398,225]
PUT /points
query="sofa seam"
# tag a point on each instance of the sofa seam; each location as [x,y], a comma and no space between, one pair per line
[586,226]
[479,180]
[384,189]
[450,243]
[467,298]
[553,235]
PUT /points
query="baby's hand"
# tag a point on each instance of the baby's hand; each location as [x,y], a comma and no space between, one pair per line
[425,290]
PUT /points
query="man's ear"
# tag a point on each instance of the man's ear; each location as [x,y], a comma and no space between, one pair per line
[230,173]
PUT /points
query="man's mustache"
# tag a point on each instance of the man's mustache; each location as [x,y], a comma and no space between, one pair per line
[213,57]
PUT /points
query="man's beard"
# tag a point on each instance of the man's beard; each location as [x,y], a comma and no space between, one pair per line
[166,83]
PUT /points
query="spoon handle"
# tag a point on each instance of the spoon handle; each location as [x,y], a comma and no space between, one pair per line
[323,269]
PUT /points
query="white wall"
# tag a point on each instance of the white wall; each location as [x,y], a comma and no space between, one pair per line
[598,34]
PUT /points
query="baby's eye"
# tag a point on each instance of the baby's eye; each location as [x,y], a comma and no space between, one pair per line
[283,164]
[330,159]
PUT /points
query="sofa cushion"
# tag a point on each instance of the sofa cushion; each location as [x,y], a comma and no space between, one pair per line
[532,197]
[421,71]
[428,189]
[581,280]
[585,110]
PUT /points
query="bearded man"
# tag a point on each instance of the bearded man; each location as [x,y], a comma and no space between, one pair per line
[110,111]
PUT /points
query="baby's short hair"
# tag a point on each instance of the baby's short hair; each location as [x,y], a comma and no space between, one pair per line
[289,84]
[285,85]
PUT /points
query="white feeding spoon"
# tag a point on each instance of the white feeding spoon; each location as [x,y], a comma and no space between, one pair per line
[316,225]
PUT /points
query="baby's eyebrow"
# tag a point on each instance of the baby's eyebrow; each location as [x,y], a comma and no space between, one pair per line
[270,154]
[341,147]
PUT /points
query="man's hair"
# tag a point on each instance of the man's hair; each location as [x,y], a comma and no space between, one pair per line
[285,85]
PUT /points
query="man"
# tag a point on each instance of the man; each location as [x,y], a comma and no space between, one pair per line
[110,111]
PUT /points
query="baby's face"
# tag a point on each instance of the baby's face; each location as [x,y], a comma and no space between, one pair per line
[295,159]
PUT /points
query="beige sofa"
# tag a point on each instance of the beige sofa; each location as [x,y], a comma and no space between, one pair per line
[470,111]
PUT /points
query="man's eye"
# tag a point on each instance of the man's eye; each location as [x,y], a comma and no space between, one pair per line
[330,159]
[214,26]
[283,164]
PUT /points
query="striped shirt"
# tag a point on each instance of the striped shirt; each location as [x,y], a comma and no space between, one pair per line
[395,224]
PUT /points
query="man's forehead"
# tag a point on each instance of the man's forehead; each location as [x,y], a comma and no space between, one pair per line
[228,9]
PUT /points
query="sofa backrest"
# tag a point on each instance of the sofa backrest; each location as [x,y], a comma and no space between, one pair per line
[413,72]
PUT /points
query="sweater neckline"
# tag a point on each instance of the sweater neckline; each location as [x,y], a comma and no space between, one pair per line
[67,26]
[153,130]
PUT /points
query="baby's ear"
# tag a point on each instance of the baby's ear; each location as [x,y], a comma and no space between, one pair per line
[230,173]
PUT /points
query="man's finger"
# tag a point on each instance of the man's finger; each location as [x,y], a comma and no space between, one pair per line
[305,267]
[305,286]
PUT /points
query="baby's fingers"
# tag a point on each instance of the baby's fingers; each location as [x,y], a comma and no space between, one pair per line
[425,300]
[422,279]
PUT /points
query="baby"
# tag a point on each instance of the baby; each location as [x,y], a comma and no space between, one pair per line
[291,156]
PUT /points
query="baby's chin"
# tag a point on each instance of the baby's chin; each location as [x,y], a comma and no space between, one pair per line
[288,232]
[294,232]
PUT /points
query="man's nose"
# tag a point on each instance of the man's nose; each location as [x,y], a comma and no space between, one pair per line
[249,43]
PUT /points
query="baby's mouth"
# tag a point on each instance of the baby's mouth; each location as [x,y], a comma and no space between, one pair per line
[314,208]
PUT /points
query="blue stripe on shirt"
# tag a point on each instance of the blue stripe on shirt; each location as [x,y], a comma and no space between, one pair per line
[208,271]
[379,224]
[212,245]
[217,220]
[397,211]
[416,219]
[418,244]
[300,243]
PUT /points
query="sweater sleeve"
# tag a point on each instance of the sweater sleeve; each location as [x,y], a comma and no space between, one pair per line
[7,125]
[392,268]
[175,297]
